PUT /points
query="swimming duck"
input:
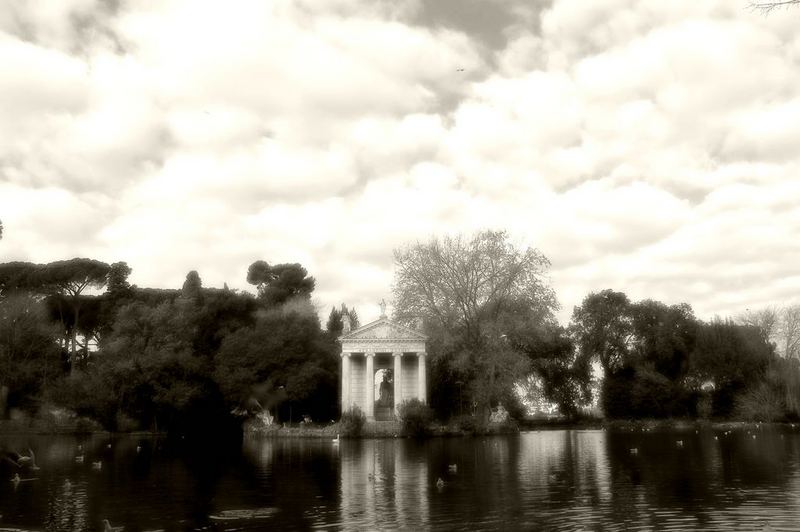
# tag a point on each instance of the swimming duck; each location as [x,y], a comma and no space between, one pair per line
[453,468]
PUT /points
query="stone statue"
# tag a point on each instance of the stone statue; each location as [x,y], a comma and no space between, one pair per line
[383,308]
[386,392]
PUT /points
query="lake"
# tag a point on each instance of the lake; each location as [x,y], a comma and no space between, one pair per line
[552,480]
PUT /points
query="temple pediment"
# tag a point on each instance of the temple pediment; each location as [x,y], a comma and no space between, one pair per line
[383,329]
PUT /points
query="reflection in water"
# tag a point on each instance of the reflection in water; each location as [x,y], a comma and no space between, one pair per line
[384,484]
[67,507]
[551,480]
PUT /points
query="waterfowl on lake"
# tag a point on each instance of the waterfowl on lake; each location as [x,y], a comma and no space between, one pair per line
[634,450]
[453,468]
[335,441]
[108,528]
[28,460]
[79,459]
[679,443]
[439,483]
[21,460]
[97,465]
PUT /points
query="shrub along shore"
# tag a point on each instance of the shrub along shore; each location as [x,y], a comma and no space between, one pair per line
[395,429]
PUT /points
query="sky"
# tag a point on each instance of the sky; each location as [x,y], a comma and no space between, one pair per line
[646,146]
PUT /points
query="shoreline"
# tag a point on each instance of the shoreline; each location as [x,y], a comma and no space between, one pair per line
[392,429]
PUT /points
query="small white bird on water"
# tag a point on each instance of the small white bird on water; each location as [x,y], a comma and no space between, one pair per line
[335,441]
[634,450]
[453,468]
[79,459]
[97,465]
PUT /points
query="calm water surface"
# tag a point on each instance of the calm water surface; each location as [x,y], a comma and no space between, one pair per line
[551,480]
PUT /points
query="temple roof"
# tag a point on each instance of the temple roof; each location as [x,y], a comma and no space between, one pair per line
[383,328]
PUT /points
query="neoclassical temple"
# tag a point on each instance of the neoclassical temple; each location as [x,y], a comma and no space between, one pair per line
[383,364]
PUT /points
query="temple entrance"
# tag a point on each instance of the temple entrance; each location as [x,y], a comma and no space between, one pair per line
[384,394]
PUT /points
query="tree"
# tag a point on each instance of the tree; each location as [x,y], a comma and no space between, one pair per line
[70,278]
[766,7]
[664,336]
[335,324]
[149,363]
[192,285]
[780,325]
[283,359]
[220,313]
[470,291]
[66,278]
[117,283]
[733,357]
[28,354]
[603,328]
[787,332]
[560,375]
[644,350]
[259,274]
[15,277]
[281,282]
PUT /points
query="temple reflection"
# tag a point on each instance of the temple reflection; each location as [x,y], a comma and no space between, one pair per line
[384,483]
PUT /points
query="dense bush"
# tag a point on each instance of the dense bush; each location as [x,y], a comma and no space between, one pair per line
[704,406]
[352,422]
[416,417]
[761,403]
[469,424]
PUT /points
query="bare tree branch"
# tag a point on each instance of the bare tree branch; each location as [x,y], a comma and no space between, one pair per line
[766,7]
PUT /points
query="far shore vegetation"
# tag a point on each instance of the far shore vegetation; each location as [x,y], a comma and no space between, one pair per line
[80,347]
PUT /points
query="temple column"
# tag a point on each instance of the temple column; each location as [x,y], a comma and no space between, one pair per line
[369,386]
[421,377]
[398,376]
[345,382]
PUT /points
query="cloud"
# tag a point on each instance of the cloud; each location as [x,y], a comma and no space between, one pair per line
[644,146]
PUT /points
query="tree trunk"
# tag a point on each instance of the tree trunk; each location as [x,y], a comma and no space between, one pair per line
[74,339]
[3,400]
